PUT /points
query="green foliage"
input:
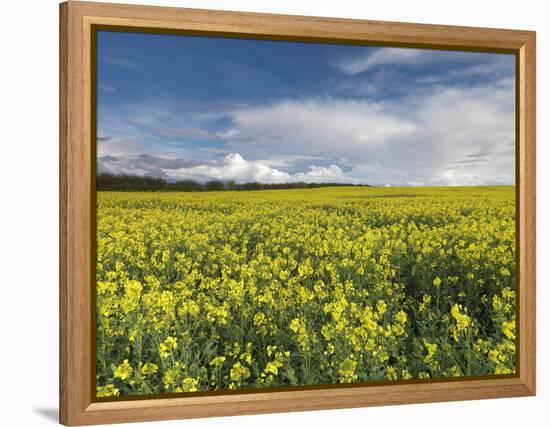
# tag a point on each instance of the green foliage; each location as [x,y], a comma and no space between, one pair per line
[113,182]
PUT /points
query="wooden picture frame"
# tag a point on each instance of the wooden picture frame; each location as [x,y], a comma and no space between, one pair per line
[77,22]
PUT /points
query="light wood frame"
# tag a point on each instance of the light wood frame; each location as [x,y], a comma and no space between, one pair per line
[77,405]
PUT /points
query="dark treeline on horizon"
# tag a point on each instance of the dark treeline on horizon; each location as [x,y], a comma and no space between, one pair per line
[113,182]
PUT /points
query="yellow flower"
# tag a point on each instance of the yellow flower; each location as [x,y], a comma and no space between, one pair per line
[124,370]
[381,307]
[391,373]
[431,348]
[346,371]
[149,369]
[298,326]
[131,297]
[108,390]
[165,348]
[190,384]
[509,330]
[239,372]
[426,299]
[494,356]
[462,320]
[273,367]
[228,281]
[169,378]
[401,317]
[217,361]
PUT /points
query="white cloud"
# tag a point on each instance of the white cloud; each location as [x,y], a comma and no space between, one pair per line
[448,136]
[119,62]
[118,147]
[468,136]
[466,63]
[234,167]
[369,60]
[314,126]
[231,167]
[106,88]
[321,174]
[459,135]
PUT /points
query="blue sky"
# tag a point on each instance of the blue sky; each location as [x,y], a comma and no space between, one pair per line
[204,108]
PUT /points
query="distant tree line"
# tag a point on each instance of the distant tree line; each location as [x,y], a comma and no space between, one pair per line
[115,182]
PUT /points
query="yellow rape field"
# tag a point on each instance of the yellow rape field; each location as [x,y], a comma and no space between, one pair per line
[233,290]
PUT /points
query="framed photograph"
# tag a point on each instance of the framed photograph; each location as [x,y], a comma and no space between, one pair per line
[264,213]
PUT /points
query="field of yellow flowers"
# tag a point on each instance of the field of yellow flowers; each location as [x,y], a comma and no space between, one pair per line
[232,290]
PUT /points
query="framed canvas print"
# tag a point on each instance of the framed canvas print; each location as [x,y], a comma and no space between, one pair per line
[265,213]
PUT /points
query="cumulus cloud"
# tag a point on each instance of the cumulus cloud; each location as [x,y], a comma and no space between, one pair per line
[448,136]
[358,114]
[234,167]
[444,133]
[425,139]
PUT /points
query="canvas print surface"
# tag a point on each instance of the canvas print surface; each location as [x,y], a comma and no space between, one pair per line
[275,214]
